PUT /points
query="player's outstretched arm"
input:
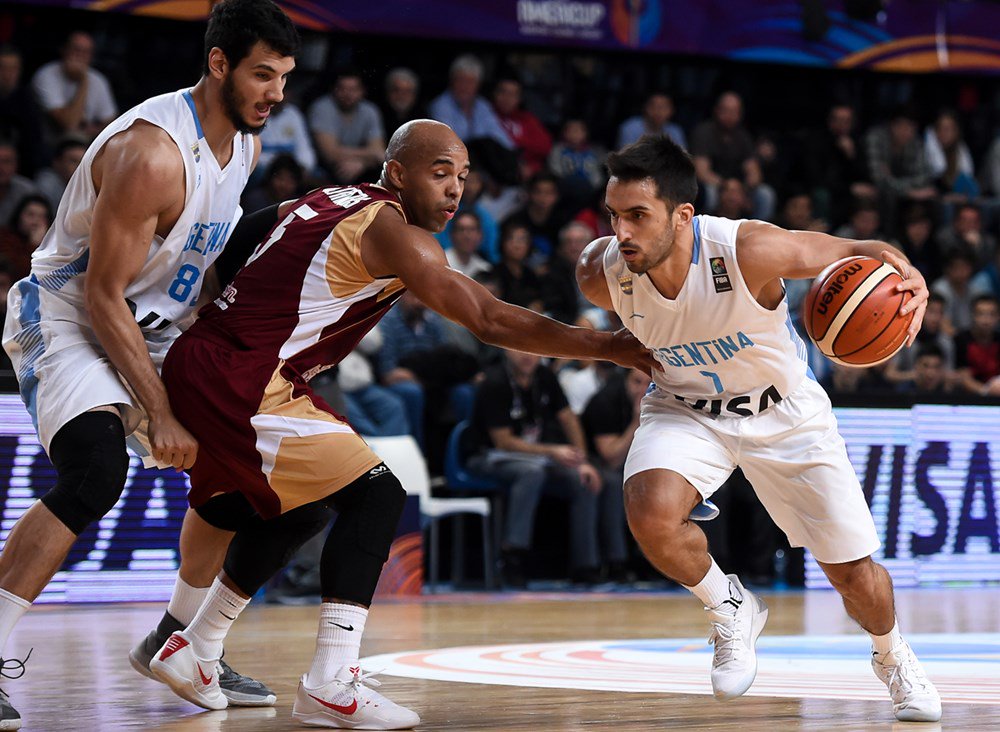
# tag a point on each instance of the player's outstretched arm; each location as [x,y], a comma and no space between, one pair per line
[140,178]
[392,247]
[766,252]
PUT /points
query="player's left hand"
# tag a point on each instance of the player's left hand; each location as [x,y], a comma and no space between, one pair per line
[915,283]
[628,351]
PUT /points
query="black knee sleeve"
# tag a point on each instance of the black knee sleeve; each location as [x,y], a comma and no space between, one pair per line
[229,512]
[260,548]
[91,464]
[359,542]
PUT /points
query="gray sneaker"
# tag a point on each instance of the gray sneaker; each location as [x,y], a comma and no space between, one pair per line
[240,690]
[9,668]
[9,718]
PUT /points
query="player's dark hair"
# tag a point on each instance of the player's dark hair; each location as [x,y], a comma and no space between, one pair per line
[660,158]
[236,26]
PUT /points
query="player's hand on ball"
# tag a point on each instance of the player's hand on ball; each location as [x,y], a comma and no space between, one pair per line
[629,352]
[171,443]
[915,283]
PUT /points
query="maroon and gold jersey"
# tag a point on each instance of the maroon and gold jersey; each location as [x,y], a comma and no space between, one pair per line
[237,379]
[304,296]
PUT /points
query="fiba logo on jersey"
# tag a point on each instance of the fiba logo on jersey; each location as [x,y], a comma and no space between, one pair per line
[636,22]
[719,274]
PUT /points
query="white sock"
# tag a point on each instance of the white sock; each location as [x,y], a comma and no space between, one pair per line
[715,588]
[12,608]
[185,601]
[882,644]
[212,622]
[338,641]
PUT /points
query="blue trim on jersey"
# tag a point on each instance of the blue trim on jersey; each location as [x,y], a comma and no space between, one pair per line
[57,278]
[32,344]
[801,350]
[696,253]
[194,113]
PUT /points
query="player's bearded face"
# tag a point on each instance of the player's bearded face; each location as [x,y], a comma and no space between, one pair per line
[236,107]
[642,223]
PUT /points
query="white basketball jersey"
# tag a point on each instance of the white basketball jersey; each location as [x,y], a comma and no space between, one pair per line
[164,293]
[722,352]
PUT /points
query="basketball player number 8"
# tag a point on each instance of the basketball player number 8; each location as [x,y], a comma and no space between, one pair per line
[185,280]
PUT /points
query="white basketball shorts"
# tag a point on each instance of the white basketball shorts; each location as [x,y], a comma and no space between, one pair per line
[61,369]
[792,454]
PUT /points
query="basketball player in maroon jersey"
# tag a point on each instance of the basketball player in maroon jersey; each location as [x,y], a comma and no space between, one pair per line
[333,266]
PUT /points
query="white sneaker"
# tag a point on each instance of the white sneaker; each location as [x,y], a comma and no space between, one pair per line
[735,627]
[348,703]
[176,666]
[914,698]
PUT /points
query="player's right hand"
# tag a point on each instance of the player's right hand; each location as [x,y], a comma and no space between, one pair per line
[171,444]
[628,351]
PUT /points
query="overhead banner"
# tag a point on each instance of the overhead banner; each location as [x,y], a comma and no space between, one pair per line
[906,35]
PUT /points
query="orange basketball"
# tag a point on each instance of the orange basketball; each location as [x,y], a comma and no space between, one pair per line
[852,312]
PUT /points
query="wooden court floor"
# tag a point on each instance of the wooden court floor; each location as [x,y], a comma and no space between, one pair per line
[78,677]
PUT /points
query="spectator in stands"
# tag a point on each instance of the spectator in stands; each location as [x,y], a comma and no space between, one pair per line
[987,280]
[401,104]
[525,130]
[657,113]
[541,214]
[283,181]
[461,108]
[519,284]
[76,97]
[466,239]
[560,291]
[929,375]
[372,410]
[723,148]
[932,334]
[977,350]
[472,201]
[915,239]
[967,232]
[844,380]
[865,222]
[20,119]
[348,131]
[577,164]
[610,421]
[797,214]
[897,163]
[286,133]
[29,221]
[13,187]
[949,160]
[833,168]
[52,181]
[419,362]
[954,287]
[989,172]
[733,200]
[526,435]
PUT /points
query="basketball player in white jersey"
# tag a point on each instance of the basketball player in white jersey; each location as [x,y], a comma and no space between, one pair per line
[705,294]
[116,279]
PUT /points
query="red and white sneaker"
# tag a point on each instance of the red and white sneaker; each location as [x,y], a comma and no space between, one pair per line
[192,678]
[347,702]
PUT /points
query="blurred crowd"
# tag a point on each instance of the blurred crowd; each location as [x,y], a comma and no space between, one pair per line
[533,201]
